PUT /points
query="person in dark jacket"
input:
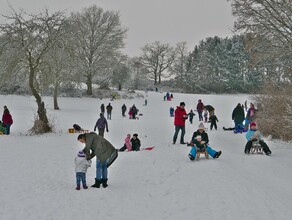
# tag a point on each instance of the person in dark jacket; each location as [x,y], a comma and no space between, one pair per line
[200,109]
[180,116]
[96,145]
[191,115]
[135,142]
[213,119]
[205,141]
[109,109]
[171,111]
[238,118]
[102,108]
[124,109]
[101,125]
[134,111]
[7,120]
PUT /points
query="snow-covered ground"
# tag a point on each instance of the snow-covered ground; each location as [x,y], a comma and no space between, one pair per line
[37,176]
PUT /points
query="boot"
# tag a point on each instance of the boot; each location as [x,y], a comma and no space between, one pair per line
[78,187]
[104,183]
[97,183]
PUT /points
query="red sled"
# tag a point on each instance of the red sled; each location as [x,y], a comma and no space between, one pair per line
[147,148]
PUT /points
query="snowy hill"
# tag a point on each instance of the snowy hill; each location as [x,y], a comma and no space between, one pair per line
[38,180]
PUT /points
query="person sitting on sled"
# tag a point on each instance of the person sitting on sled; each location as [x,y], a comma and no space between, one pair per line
[254,135]
[127,144]
[204,141]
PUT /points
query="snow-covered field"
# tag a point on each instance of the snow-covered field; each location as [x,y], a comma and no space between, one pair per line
[37,179]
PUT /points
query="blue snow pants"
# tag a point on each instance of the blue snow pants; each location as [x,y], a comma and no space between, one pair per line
[210,151]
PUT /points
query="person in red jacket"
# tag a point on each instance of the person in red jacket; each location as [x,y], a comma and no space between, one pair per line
[180,116]
[7,119]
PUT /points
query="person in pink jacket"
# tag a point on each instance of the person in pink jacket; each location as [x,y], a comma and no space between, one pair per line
[127,144]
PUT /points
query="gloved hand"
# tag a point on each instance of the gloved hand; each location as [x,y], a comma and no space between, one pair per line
[106,130]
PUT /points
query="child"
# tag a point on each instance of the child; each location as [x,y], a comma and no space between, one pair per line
[81,165]
[206,115]
[254,135]
[171,111]
[213,118]
[2,128]
[127,144]
[191,114]
[136,143]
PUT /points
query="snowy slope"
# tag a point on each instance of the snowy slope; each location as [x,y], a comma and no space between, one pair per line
[38,181]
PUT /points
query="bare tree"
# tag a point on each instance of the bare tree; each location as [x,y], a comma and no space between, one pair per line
[58,68]
[271,19]
[30,37]
[267,25]
[96,36]
[179,67]
[121,71]
[157,58]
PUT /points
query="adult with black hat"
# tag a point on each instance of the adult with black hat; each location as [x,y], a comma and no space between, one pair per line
[180,116]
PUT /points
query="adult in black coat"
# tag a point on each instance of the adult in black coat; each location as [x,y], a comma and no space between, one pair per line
[238,117]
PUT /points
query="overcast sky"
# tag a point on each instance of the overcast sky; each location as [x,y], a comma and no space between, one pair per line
[167,21]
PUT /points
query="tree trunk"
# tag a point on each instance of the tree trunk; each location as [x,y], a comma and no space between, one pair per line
[42,123]
[89,85]
[56,107]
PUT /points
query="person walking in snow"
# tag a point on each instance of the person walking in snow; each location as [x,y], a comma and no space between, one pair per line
[127,144]
[81,165]
[96,145]
[200,109]
[102,109]
[250,115]
[180,116]
[109,109]
[124,109]
[253,135]
[171,111]
[7,120]
[213,119]
[134,111]
[204,141]
[191,115]
[101,125]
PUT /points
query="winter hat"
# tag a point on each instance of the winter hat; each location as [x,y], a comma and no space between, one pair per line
[81,154]
[253,124]
[182,103]
[201,126]
[136,135]
[199,137]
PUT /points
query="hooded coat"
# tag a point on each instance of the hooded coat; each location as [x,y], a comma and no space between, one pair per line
[99,147]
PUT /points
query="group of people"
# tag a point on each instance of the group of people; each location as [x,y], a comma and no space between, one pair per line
[6,122]
[97,145]
[200,137]
[180,116]
[131,144]
[168,97]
